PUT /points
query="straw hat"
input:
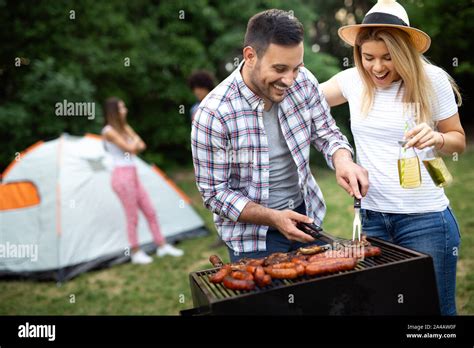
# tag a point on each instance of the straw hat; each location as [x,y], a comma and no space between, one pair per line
[387,13]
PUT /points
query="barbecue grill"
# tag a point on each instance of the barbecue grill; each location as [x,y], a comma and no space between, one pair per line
[398,282]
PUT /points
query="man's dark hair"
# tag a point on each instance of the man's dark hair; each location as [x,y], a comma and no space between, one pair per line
[202,79]
[273,26]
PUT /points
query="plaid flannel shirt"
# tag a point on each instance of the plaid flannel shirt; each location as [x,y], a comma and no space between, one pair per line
[231,158]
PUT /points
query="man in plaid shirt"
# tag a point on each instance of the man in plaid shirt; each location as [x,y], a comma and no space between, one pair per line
[251,140]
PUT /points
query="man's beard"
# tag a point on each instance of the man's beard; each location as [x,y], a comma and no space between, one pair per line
[260,89]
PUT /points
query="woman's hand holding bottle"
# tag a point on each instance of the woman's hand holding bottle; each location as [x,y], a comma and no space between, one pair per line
[422,136]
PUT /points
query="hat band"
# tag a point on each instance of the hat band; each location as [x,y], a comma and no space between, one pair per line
[383,18]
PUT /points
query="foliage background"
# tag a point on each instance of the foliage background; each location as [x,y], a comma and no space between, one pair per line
[83,59]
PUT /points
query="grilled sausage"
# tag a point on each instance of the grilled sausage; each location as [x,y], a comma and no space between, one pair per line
[372,251]
[238,267]
[242,275]
[256,262]
[333,260]
[261,279]
[283,265]
[266,280]
[310,250]
[238,284]
[219,276]
[320,256]
[259,272]
[216,261]
[251,269]
[330,266]
[357,251]
[282,273]
[300,270]
[299,260]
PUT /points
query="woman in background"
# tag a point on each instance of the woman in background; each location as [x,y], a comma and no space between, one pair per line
[123,143]
[391,78]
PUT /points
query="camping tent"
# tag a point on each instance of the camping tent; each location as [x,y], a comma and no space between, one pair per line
[59,216]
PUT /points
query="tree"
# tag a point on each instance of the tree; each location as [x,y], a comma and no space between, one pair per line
[141,51]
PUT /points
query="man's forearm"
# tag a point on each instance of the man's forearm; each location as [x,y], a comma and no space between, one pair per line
[257,214]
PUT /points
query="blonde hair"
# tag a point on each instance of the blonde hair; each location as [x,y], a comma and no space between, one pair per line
[409,64]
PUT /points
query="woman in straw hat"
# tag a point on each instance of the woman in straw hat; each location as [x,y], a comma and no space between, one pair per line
[394,93]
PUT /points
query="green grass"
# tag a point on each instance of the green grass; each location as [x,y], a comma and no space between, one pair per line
[162,288]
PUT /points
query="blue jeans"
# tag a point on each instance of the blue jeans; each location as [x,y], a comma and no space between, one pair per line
[276,243]
[436,234]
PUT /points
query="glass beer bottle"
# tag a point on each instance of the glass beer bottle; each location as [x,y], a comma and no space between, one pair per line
[436,167]
[408,167]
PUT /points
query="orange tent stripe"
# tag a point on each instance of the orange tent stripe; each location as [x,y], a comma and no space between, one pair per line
[93,136]
[17,195]
[22,154]
[172,184]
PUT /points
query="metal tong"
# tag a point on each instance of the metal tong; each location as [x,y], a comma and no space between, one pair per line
[357,224]
[317,232]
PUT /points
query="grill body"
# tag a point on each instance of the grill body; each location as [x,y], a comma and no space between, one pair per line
[399,282]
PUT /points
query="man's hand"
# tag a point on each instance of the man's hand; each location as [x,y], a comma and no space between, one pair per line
[285,221]
[349,175]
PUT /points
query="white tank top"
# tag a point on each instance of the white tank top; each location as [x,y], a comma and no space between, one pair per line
[120,158]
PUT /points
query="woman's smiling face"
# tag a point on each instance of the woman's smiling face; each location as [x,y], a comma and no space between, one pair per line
[377,62]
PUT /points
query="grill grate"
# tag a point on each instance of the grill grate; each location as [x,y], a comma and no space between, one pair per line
[391,254]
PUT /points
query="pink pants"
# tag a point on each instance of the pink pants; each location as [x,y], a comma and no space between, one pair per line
[133,196]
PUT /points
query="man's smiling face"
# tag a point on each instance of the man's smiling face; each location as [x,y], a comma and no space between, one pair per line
[275,71]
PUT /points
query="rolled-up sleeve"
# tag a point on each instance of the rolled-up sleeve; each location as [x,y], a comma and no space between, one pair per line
[209,147]
[326,136]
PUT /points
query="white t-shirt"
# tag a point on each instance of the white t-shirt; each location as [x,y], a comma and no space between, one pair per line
[120,158]
[376,138]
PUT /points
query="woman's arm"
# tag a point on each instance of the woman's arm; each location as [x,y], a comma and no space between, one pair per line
[453,138]
[332,92]
[136,138]
[449,138]
[114,137]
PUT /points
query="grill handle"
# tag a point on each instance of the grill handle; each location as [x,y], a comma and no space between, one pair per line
[357,202]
